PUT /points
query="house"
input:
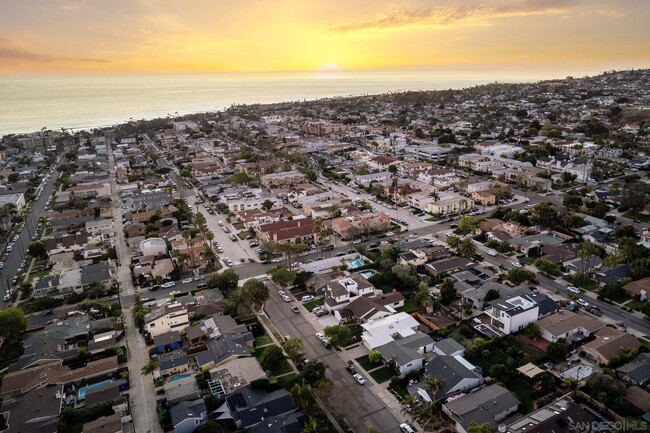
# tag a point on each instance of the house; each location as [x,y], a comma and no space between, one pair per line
[568,325]
[35,411]
[512,314]
[447,265]
[104,424]
[449,347]
[637,371]
[167,342]
[558,417]
[166,319]
[638,397]
[181,389]
[285,178]
[639,288]
[248,407]
[486,197]
[413,257]
[383,331]
[173,363]
[153,247]
[609,344]
[455,373]
[341,291]
[289,231]
[407,354]
[237,372]
[450,205]
[187,416]
[224,348]
[359,224]
[491,405]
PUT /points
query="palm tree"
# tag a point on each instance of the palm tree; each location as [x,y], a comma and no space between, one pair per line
[434,383]
[303,396]
[150,368]
[467,248]
[611,260]
[311,426]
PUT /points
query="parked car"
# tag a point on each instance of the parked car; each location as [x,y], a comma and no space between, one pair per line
[286,298]
[307,298]
[405,428]
[574,289]
[295,310]
[187,280]
[326,343]
[583,302]
[359,379]
[320,336]
[351,369]
[168,284]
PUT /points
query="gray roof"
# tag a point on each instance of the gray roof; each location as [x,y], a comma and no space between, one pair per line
[187,409]
[95,273]
[638,369]
[172,360]
[448,346]
[250,406]
[405,349]
[227,346]
[167,338]
[36,411]
[285,423]
[483,406]
[450,370]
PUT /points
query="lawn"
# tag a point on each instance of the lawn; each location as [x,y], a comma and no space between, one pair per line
[409,306]
[528,260]
[284,380]
[282,367]
[365,363]
[496,357]
[263,341]
[383,374]
[523,392]
[40,274]
[313,304]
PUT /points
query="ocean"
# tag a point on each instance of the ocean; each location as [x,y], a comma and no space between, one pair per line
[29,103]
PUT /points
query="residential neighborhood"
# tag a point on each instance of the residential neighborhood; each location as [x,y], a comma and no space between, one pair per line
[452,261]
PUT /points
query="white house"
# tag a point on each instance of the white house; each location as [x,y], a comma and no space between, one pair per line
[451,205]
[153,247]
[380,332]
[166,319]
[513,314]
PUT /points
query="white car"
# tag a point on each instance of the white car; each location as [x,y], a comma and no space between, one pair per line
[574,289]
[307,298]
[360,380]
[516,264]
[286,298]
[491,252]
[187,280]
[168,285]
[276,260]
[199,278]
[281,293]
[320,336]
[356,241]
[583,302]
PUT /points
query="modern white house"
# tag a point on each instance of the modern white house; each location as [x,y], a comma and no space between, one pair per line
[512,314]
[383,331]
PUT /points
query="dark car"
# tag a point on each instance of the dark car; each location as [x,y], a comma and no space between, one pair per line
[326,343]
[351,369]
[478,257]
[154,288]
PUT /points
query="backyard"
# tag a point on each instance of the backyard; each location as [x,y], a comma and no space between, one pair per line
[523,392]
[280,368]
[313,304]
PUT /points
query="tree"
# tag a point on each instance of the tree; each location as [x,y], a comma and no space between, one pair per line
[303,396]
[338,335]
[267,205]
[491,295]
[544,214]
[254,292]
[271,358]
[518,276]
[149,368]
[479,428]
[453,241]
[467,224]
[556,351]
[434,383]
[448,292]
[283,277]
[611,387]
[224,281]
[37,249]
[587,253]
[13,322]
[533,331]
[500,372]
[313,373]
[467,248]
[293,347]
[374,356]
[311,426]
[634,197]
[548,267]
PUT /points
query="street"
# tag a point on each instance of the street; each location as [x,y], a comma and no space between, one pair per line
[365,411]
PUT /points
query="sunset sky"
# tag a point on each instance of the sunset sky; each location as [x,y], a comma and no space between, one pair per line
[297,35]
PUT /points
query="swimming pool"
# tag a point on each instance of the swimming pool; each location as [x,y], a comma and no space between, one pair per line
[180,377]
[354,263]
[82,391]
[368,273]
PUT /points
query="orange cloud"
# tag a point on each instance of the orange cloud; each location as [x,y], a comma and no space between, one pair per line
[447,15]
